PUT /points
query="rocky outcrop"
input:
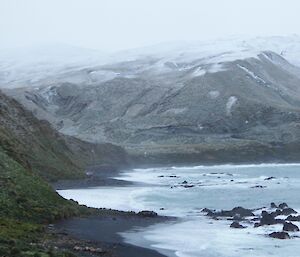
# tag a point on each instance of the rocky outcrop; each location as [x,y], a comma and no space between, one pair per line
[263,217]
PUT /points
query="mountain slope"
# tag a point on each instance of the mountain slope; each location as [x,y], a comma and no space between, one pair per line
[193,100]
[53,156]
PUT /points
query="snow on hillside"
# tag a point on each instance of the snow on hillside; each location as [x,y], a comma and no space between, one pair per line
[25,67]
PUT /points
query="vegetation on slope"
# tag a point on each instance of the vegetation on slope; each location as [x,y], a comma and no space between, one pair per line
[31,152]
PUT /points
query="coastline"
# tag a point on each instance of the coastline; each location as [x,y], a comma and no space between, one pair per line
[101,230]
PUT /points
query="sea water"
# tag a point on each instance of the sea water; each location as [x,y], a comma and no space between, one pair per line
[215,187]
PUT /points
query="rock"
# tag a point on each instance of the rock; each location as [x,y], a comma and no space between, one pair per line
[188,186]
[290,227]
[236,225]
[238,212]
[242,212]
[283,206]
[256,225]
[293,218]
[161,176]
[288,211]
[274,206]
[150,214]
[267,219]
[208,211]
[258,186]
[270,178]
[280,235]
[276,213]
[184,182]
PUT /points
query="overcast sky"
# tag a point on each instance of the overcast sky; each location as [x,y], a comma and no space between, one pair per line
[111,25]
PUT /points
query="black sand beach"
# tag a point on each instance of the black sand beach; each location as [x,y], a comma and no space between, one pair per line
[102,231]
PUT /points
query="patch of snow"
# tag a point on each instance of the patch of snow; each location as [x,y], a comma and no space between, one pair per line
[252,74]
[214,94]
[216,68]
[198,72]
[175,111]
[230,103]
[102,75]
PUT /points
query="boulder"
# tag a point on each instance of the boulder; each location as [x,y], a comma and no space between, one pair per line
[280,235]
[269,178]
[236,225]
[276,213]
[274,206]
[267,219]
[290,227]
[242,212]
[283,206]
[288,211]
[293,218]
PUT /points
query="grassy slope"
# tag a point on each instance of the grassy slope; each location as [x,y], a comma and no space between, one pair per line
[27,202]
[31,152]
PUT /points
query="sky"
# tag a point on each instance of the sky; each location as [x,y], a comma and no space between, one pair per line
[112,25]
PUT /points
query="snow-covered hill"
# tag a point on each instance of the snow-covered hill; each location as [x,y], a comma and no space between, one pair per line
[57,63]
[173,98]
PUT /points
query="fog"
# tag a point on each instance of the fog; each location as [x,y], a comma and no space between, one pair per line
[111,25]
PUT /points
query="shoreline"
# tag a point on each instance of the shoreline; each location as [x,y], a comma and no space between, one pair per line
[102,231]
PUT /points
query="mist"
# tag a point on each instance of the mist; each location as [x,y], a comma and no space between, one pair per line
[116,25]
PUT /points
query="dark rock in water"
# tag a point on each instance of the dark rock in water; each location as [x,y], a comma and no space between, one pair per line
[236,225]
[235,212]
[255,219]
[242,212]
[259,186]
[206,210]
[256,225]
[173,176]
[280,235]
[283,206]
[276,213]
[267,219]
[288,211]
[293,218]
[290,227]
[150,214]
[188,186]
[270,178]
[273,205]
[184,182]
[161,176]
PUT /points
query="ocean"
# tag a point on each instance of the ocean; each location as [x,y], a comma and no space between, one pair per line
[183,192]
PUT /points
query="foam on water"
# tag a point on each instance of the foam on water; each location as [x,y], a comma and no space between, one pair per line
[215,187]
